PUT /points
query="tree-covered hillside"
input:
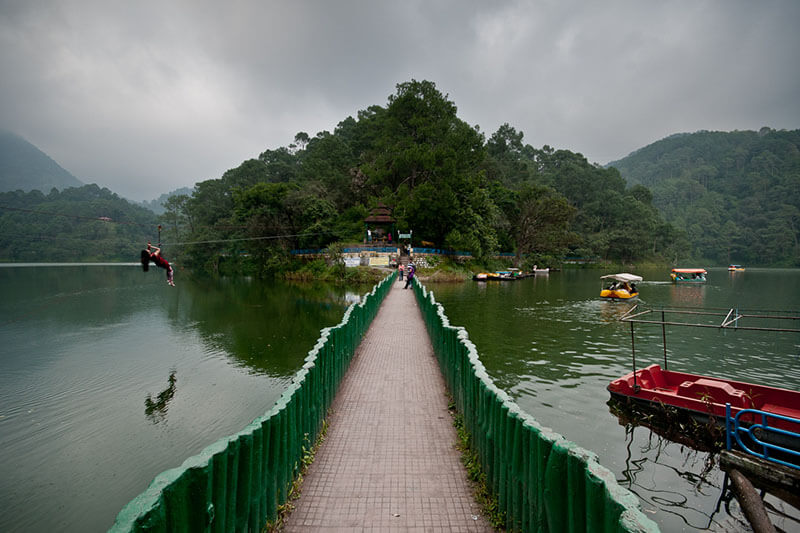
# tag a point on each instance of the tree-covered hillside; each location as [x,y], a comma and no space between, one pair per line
[736,194]
[78,224]
[443,179]
[26,168]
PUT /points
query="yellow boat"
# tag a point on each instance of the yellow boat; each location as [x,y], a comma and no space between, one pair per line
[622,286]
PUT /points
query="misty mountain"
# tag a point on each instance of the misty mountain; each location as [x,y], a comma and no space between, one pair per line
[24,167]
[157,205]
[735,194]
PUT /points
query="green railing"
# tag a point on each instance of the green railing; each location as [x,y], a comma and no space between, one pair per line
[237,483]
[542,481]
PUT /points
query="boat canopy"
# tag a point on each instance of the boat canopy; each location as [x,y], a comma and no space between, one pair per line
[690,270]
[623,277]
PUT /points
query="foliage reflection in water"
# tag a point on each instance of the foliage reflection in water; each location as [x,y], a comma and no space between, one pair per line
[554,346]
[156,410]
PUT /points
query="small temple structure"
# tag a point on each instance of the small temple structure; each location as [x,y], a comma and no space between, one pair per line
[379,226]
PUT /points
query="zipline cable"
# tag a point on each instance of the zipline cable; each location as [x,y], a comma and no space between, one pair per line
[51,213]
[111,220]
[107,219]
[247,238]
[184,243]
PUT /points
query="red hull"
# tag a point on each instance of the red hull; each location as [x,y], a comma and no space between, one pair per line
[707,396]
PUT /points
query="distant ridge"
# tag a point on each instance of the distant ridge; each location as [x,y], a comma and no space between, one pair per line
[736,195]
[25,167]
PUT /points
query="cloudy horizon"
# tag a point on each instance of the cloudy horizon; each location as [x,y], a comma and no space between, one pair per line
[149,97]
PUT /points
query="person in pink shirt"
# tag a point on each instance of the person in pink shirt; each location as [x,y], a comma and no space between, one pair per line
[153,253]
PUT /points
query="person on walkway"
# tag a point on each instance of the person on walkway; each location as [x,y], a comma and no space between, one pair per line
[400,269]
[153,253]
[410,275]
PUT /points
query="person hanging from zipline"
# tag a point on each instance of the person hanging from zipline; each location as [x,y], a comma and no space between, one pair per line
[153,253]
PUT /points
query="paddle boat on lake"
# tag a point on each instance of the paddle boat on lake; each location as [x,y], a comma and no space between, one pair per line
[735,268]
[760,419]
[501,275]
[620,286]
[688,275]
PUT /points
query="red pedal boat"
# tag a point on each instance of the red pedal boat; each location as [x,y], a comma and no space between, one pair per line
[776,411]
[704,397]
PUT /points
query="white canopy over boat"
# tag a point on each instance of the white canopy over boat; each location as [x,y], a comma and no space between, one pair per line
[624,277]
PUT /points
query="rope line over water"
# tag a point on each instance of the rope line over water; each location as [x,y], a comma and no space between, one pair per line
[51,213]
[110,220]
[247,238]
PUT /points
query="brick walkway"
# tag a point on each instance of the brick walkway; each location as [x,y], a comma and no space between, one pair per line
[389,461]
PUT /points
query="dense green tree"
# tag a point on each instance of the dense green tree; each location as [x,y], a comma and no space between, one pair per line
[281,164]
[329,160]
[426,161]
[176,215]
[541,222]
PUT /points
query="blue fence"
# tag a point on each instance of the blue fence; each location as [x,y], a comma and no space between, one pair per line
[765,436]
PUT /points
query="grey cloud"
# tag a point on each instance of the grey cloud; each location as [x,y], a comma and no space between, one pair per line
[149,96]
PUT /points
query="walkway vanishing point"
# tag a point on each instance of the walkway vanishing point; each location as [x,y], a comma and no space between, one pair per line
[389,461]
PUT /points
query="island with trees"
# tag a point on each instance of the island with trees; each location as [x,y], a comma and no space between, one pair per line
[711,197]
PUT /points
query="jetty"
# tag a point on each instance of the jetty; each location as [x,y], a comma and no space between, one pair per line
[384,381]
[389,460]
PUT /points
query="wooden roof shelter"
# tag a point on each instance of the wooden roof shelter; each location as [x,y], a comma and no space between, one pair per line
[379,225]
[380,214]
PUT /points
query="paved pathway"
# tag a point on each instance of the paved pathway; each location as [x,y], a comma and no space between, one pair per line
[389,461]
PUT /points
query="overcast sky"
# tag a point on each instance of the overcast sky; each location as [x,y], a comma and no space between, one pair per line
[148,96]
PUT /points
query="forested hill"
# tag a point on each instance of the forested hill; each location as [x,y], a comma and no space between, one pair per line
[24,167]
[736,194]
[443,178]
[78,224]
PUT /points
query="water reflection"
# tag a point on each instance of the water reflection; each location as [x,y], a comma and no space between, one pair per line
[687,295]
[654,464]
[257,325]
[679,479]
[74,444]
[352,297]
[156,411]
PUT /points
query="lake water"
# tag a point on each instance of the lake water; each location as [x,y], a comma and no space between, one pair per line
[108,376]
[554,346]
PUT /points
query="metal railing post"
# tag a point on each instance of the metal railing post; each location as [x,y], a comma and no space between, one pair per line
[728,426]
[664,336]
[633,353]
